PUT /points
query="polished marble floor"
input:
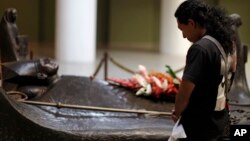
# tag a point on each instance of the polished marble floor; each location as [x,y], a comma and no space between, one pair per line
[128,59]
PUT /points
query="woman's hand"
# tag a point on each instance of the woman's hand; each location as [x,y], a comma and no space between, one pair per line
[174,116]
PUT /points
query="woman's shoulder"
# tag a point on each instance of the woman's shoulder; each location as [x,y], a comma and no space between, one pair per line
[204,45]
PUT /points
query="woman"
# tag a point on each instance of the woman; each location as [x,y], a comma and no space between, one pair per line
[201,99]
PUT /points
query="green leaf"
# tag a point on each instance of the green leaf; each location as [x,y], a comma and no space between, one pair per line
[170,71]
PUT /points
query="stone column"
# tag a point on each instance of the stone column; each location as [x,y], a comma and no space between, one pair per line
[76,30]
[171,39]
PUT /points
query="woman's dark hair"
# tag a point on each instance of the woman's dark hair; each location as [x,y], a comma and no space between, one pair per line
[214,19]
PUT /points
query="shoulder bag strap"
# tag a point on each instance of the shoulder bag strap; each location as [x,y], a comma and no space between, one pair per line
[224,56]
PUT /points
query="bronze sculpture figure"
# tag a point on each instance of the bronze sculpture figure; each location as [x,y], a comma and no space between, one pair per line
[18,73]
[239,93]
[17,44]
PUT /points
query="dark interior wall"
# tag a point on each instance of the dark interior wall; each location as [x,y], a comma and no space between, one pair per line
[119,22]
[103,23]
[46,20]
[134,24]
[240,7]
[212,2]
[36,18]
[27,18]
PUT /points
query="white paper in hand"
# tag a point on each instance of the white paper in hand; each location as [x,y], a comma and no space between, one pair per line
[177,132]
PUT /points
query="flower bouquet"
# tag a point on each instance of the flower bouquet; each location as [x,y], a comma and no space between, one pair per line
[151,84]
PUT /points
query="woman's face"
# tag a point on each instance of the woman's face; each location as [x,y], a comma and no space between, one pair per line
[191,31]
